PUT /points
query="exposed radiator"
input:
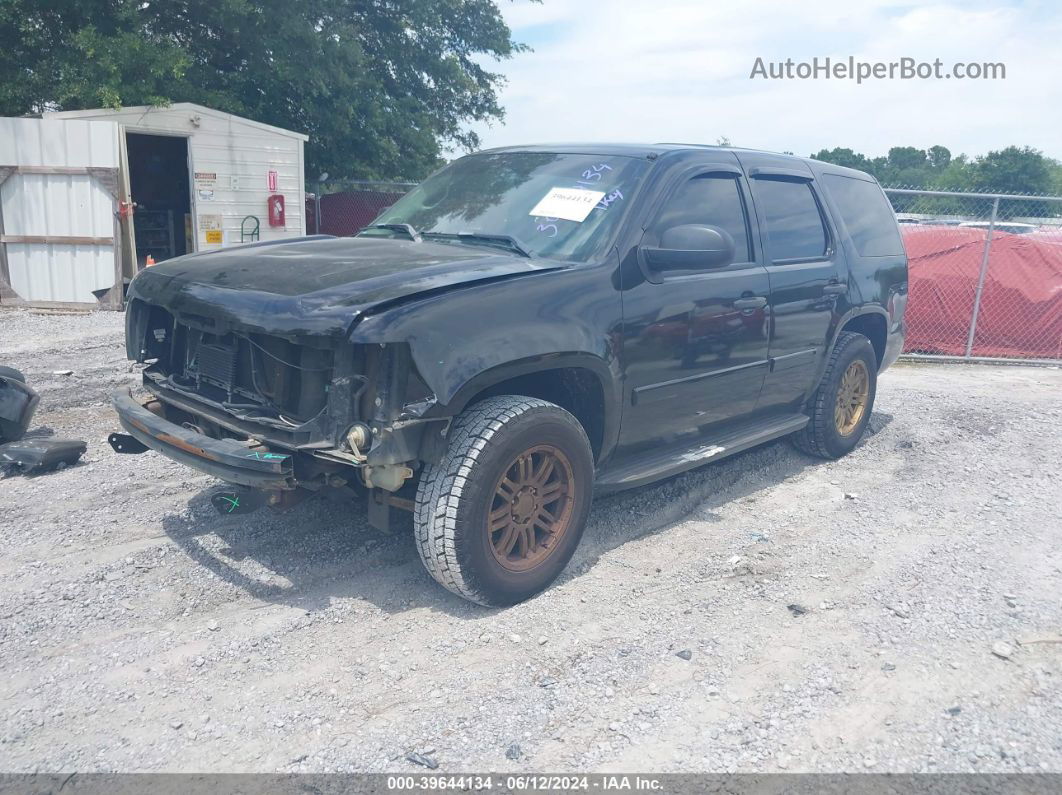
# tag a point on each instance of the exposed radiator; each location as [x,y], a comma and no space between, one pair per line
[217,364]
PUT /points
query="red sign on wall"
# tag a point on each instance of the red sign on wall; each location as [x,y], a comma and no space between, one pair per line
[272,179]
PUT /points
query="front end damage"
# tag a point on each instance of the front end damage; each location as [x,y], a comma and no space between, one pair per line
[285,414]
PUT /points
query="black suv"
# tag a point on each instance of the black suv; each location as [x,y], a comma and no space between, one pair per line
[528,327]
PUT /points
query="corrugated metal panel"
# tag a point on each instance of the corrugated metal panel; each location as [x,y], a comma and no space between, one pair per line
[64,205]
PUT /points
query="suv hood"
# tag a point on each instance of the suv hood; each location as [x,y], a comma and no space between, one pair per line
[320,285]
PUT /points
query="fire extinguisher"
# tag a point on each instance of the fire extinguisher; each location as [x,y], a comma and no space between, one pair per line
[275,204]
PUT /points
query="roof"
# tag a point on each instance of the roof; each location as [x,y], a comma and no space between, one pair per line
[600,148]
[659,149]
[188,106]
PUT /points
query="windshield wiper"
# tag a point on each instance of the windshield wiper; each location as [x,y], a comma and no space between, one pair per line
[414,235]
[506,241]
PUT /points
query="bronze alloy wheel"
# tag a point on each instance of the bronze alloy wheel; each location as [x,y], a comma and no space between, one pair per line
[852,397]
[532,508]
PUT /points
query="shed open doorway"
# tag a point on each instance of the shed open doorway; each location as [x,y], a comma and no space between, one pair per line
[158,184]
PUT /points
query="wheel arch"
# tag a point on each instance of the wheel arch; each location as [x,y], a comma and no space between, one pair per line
[582,384]
[870,321]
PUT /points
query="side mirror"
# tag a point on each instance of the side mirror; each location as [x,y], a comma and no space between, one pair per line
[691,247]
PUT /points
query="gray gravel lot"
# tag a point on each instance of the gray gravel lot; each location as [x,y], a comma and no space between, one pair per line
[770,612]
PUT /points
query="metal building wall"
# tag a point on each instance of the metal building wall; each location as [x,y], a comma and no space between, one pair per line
[238,152]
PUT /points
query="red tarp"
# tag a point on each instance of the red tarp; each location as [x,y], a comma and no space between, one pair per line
[1021,305]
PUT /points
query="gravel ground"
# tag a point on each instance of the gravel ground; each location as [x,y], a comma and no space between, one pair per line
[770,612]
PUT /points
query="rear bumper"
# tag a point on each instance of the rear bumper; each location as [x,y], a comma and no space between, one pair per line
[227,459]
[894,342]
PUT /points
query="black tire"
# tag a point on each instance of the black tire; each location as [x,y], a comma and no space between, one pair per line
[456,497]
[821,436]
[12,373]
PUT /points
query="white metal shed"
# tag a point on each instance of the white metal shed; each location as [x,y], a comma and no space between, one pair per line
[196,179]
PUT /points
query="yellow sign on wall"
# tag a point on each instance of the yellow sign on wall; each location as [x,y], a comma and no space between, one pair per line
[213,236]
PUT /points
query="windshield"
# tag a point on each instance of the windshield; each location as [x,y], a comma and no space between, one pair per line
[494,195]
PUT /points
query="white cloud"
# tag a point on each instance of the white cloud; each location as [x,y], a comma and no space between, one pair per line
[679,71]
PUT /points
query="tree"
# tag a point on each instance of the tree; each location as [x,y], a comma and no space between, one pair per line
[1056,178]
[1013,170]
[906,157]
[955,177]
[843,157]
[380,88]
[939,157]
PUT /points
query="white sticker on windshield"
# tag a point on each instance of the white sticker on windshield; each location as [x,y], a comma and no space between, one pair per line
[570,204]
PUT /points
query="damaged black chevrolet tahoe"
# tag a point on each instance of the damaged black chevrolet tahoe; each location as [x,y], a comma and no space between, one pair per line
[528,327]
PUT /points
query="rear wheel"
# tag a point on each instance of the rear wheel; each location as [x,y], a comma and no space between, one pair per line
[498,518]
[841,406]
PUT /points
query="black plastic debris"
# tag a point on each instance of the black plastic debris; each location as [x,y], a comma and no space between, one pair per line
[125,444]
[11,372]
[31,457]
[18,402]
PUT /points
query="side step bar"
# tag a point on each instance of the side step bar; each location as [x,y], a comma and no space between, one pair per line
[680,458]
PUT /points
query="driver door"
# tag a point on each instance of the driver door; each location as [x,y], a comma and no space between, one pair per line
[695,341]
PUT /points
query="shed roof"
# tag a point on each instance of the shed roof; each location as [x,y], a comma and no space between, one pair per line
[189,106]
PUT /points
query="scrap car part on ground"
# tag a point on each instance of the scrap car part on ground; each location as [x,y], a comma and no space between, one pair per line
[18,402]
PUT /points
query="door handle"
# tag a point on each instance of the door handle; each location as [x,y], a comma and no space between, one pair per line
[835,288]
[750,303]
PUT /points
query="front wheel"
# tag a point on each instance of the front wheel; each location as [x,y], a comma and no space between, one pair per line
[499,517]
[840,408]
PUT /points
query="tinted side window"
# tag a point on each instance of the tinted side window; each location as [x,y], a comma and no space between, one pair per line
[867,215]
[710,199]
[794,223]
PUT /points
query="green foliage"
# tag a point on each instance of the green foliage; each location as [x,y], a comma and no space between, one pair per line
[844,157]
[1011,170]
[939,157]
[380,87]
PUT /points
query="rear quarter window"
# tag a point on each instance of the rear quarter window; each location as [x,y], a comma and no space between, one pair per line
[795,228]
[867,215]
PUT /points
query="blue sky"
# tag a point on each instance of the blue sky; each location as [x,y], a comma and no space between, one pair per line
[675,70]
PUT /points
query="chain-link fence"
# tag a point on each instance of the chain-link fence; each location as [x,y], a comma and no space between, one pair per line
[345,207]
[985,274]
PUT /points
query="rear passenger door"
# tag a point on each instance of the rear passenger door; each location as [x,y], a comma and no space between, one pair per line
[805,275]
